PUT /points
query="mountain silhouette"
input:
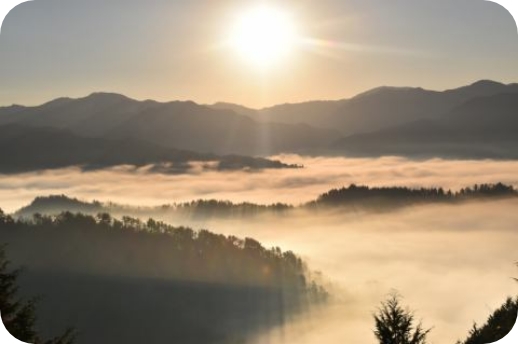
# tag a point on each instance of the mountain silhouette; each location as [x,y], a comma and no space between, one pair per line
[376,109]
[483,127]
[179,125]
[474,121]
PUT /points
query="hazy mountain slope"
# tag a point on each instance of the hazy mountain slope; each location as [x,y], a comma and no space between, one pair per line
[314,113]
[239,109]
[186,125]
[483,127]
[181,125]
[30,148]
[309,127]
[390,106]
[481,88]
[378,108]
[494,118]
[91,115]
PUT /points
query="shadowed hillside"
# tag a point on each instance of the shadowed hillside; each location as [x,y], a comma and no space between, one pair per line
[483,127]
[132,281]
[375,109]
[178,125]
[31,149]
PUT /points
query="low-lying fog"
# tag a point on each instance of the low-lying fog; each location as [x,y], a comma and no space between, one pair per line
[452,263]
[125,185]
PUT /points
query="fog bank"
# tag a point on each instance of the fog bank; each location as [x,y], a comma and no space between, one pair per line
[140,187]
[452,263]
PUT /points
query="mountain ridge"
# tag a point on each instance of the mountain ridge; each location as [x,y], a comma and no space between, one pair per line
[178,124]
[482,127]
[311,128]
[379,107]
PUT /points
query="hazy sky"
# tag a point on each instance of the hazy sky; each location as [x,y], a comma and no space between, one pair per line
[168,50]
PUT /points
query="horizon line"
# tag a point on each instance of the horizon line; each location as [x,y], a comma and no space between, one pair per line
[114,93]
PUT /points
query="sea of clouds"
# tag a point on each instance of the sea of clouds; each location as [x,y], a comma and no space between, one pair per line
[140,187]
[452,263]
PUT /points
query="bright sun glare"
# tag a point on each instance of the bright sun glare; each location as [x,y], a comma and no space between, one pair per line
[263,35]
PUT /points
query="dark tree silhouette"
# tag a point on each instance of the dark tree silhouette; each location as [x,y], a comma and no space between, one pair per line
[498,325]
[19,316]
[351,198]
[395,325]
[391,197]
[173,252]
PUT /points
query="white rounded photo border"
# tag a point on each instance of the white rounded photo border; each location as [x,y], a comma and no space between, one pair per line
[7,5]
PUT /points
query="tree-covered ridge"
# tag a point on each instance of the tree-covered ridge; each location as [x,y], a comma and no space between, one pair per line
[152,249]
[352,198]
[497,326]
[18,315]
[398,196]
[153,282]
[56,204]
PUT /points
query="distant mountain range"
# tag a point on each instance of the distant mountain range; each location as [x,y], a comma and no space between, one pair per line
[475,121]
[179,125]
[483,127]
[376,109]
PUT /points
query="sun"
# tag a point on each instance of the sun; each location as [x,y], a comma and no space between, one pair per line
[263,35]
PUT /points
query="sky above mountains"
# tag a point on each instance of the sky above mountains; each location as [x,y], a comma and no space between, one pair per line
[177,49]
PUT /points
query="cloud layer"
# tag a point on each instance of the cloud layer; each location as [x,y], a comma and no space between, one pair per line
[452,264]
[125,185]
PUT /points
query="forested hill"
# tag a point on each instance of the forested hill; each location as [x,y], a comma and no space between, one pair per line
[151,249]
[349,198]
[391,197]
[130,281]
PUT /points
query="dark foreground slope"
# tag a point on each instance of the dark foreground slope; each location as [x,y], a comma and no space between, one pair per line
[133,282]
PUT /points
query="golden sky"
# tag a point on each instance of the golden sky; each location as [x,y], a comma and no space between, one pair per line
[167,50]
